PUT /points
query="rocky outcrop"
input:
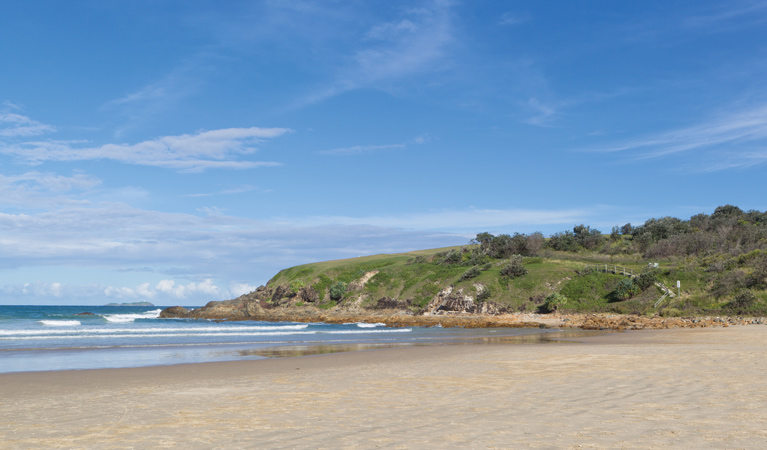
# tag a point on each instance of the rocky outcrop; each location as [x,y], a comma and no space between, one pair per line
[449,308]
[174,312]
[390,303]
[448,301]
[308,295]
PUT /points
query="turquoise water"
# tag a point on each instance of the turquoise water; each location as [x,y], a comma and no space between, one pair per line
[35,338]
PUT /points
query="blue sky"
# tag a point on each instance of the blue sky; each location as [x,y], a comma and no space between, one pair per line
[181,152]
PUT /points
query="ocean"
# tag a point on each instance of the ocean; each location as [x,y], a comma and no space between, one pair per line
[37,338]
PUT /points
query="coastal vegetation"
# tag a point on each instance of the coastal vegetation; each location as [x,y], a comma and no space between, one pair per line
[719,261]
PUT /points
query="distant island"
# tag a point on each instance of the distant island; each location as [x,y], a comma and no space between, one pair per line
[130,304]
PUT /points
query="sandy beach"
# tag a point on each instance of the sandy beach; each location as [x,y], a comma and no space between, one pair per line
[680,389]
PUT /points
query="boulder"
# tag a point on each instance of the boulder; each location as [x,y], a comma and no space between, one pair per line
[174,312]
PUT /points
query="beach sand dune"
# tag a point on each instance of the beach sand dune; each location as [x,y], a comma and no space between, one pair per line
[680,389]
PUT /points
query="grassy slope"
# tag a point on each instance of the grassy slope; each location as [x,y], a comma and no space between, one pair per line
[412,276]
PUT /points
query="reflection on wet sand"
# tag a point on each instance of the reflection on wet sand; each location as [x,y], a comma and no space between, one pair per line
[320,349]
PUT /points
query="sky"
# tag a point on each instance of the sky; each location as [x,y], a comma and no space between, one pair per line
[180,152]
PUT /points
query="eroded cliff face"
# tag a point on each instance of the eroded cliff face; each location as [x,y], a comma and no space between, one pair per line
[304,304]
[448,308]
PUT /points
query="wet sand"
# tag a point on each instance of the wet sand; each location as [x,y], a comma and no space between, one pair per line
[680,389]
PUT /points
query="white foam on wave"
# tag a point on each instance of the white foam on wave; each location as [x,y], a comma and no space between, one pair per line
[393,330]
[370,325]
[127,318]
[200,330]
[60,323]
[188,333]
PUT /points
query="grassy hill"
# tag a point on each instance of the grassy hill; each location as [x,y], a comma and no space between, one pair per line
[411,280]
[719,259]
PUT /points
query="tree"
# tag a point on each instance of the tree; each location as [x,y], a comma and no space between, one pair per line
[514,268]
[337,290]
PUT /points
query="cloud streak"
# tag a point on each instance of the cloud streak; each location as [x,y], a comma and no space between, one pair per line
[415,43]
[358,149]
[215,149]
[37,189]
[16,125]
[739,137]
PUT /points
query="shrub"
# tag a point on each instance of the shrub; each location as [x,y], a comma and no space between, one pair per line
[758,278]
[646,279]
[553,302]
[502,246]
[514,268]
[484,294]
[729,283]
[337,290]
[625,289]
[471,273]
[417,260]
[296,286]
[451,257]
[744,300]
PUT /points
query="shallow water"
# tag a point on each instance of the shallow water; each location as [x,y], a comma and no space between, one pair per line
[38,338]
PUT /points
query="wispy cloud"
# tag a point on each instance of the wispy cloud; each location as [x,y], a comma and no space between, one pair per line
[215,149]
[197,255]
[362,149]
[696,18]
[729,15]
[231,191]
[543,113]
[36,189]
[165,291]
[737,139]
[467,220]
[159,96]
[357,149]
[417,42]
[513,18]
[16,125]
[745,126]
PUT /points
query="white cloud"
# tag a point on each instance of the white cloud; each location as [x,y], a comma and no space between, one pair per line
[230,191]
[165,292]
[182,291]
[36,189]
[238,289]
[15,125]
[731,140]
[197,258]
[468,220]
[510,18]
[544,112]
[729,15]
[417,42]
[358,149]
[188,152]
[392,30]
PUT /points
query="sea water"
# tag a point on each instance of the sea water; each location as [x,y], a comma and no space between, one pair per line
[36,338]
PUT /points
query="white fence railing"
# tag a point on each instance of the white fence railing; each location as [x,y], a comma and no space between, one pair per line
[612,268]
[620,270]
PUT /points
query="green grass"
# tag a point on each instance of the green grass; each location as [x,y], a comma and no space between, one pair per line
[418,276]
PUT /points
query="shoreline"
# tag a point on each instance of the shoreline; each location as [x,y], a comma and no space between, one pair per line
[256,351]
[678,388]
[227,311]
